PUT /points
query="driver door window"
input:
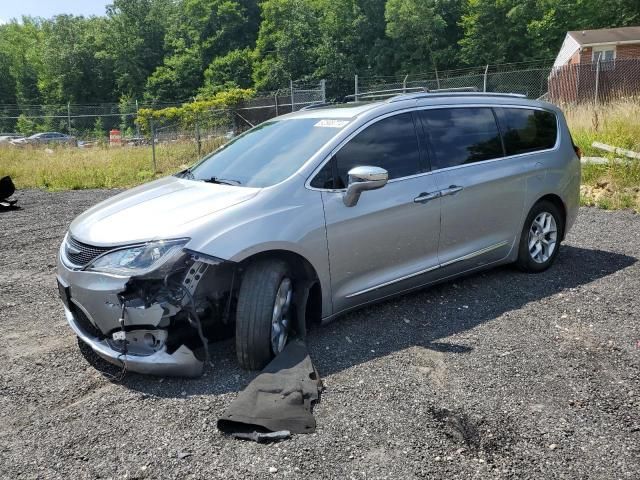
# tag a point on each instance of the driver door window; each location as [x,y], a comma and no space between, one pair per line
[391,144]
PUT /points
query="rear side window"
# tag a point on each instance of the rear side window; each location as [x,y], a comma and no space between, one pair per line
[526,130]
[461,135]
[391,144]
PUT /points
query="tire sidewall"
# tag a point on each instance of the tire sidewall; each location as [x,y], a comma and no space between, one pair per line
[255,351]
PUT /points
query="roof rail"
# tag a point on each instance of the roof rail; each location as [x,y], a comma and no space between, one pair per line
[451,93]
[315,105]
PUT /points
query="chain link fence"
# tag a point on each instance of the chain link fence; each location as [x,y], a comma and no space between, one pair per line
[599,82]
[528,78]
[210,129]
[87,122]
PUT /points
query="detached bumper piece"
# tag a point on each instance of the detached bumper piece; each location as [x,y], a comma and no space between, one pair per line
[280,400]
[7,189]
[181,363]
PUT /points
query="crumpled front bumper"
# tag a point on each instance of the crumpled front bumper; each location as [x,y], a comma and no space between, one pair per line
[92,308]
[181,363]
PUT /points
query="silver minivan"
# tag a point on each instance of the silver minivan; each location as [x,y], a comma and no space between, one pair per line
[312,214]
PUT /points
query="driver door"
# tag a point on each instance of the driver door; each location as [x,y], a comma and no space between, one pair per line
[388,241]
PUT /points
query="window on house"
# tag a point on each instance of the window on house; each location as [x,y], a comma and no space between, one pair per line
[605,55]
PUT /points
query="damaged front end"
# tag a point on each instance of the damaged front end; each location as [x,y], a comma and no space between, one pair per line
[152,307]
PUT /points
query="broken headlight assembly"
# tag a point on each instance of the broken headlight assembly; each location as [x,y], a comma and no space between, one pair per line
[140,260]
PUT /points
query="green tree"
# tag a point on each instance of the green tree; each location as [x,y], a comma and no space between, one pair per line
[25,125]
[230,71]
[285,48]
[135,41]
[424,34]
[204,30]
[72,69]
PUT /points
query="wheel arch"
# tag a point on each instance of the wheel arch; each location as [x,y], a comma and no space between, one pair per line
[311,299]
[559,203]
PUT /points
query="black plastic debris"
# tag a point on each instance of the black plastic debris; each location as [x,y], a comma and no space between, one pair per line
[279,400]
[7,189]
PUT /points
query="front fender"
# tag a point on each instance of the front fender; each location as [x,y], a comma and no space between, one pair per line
[297,226]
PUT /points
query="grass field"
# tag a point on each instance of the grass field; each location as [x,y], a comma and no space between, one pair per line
[65,168]
[612,186]
[616,185]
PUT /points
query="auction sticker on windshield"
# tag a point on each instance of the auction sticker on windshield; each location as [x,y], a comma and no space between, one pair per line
[326,123]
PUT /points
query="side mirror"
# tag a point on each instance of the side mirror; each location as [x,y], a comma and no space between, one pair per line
[362,179]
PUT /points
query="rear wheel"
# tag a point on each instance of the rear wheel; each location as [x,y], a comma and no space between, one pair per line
[264,313]
[540,238]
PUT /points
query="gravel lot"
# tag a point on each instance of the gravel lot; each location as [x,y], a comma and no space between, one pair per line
[499,375]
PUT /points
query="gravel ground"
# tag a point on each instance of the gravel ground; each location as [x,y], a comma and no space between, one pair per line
[498,375]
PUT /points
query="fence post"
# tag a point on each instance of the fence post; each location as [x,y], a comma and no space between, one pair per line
[486,71]
[198,135]
[323,87]
[404,84]
[153,144]
[356,88]
[293,100]
[597,80]
[437,79]
[275,97]
[69,117]
[136,120]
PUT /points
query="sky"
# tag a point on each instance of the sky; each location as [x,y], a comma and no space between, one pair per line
[48,8]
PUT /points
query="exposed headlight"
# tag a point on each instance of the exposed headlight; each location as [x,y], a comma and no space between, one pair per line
[141,259]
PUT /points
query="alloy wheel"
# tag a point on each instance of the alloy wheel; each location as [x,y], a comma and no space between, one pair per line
[543,237]
[280,321]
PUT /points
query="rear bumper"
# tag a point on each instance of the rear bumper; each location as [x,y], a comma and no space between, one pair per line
[182,362]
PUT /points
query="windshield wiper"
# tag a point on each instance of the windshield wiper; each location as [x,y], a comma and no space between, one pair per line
[187,173]
[223,181]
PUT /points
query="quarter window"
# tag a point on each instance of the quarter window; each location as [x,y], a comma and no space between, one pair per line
[391,144]
[526,130]
[458,136]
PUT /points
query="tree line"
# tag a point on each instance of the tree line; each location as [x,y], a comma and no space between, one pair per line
[174,50]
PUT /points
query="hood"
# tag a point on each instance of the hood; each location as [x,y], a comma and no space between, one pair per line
[161,209]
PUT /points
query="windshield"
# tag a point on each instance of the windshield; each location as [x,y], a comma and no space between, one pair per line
[266,154]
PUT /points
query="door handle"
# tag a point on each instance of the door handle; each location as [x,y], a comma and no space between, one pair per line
[424,197]
[452,190]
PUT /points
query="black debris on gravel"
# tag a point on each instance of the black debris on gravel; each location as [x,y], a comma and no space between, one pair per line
[497,375]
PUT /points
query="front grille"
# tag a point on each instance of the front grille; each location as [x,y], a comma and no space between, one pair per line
[81,254]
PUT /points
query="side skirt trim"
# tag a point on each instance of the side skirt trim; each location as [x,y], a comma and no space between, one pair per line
[427,270]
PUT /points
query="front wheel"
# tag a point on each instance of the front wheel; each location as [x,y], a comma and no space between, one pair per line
[540,238]
[264,313]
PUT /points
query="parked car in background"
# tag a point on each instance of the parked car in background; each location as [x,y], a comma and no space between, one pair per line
[9,137]
[313,214]
[47,138]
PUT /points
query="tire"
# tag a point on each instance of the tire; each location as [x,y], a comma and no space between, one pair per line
[532,259]
[263,284]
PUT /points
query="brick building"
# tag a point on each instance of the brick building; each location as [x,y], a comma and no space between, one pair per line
[597,65]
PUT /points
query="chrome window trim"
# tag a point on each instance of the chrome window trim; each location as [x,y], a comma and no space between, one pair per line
[468,256]
[415,108]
